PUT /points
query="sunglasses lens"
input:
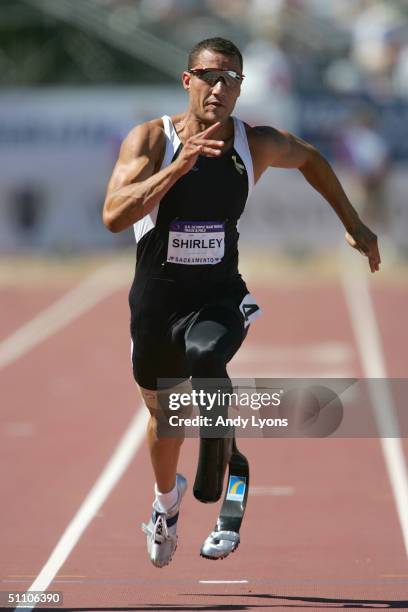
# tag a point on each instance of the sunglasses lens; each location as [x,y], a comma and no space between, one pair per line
[213,77]
[228,77]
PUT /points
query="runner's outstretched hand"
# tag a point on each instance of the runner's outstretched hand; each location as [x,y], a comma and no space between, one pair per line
[200,144]
[365,241]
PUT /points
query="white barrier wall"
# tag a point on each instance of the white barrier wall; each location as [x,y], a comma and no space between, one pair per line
[57,150]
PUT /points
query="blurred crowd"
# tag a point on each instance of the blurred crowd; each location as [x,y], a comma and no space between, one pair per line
[296,48]
[333,71]
[342,45]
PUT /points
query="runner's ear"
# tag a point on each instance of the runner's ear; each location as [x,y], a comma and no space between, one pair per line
[186,78]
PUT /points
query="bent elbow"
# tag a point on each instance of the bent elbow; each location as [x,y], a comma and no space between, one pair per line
[318,156]
[313,159]
[117,219]
[112,227]
[110,222]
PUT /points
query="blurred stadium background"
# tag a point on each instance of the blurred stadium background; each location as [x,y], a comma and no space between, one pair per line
[76,75]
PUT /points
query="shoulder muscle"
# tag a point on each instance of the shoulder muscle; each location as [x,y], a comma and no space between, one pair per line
[279,149]
[140,155]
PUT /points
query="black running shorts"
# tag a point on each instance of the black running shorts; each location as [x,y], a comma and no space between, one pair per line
[165,314]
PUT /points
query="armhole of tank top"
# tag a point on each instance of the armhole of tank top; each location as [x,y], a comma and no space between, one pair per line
[242,148]
[172,141]
[143,226]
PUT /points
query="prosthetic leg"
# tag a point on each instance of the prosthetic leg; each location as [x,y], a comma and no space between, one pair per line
[213,458]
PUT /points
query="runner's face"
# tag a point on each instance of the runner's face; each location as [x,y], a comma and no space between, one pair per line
[212,103]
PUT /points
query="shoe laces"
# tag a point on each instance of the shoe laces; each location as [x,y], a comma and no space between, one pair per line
[160,532]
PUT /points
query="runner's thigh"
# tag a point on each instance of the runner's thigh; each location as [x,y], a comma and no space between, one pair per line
[218,329]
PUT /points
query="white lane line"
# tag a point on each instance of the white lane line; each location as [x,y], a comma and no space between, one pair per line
[102,488]
[93,289]
[223,581]
[362,314]
[274,490]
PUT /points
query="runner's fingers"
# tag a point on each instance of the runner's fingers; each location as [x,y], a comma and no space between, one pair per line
[374,265]
[203,150]
[210,129]
[217,144]
[374,260]
[371,251]
[210,152]
[377,253]
[192,151]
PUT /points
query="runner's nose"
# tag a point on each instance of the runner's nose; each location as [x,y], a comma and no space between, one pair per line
[219,83]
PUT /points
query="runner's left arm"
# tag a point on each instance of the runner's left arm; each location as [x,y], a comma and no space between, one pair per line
[284,150]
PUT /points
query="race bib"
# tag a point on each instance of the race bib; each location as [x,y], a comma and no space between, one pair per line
[195,243]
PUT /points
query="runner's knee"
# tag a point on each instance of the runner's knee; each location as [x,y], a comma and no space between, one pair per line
[150,400]
[205,362]
[160,400]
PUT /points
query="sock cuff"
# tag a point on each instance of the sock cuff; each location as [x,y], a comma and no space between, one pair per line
[157,492]
[166,500]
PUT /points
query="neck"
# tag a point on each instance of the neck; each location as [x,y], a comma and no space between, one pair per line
[188,124]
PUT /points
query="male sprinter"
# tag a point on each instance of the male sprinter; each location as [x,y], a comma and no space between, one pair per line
[183,182]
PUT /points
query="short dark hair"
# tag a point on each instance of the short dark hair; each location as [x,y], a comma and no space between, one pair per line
[218,45]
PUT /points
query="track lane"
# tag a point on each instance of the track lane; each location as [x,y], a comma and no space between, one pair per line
[20,304]
[290,548]
[59,426]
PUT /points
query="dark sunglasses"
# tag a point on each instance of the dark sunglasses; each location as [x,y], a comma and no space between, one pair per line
[211,76]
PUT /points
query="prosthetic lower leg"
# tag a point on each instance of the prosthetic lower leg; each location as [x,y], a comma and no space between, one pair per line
[214,456]
[224,539]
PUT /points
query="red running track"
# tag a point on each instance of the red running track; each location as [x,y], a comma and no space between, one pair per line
[321,530]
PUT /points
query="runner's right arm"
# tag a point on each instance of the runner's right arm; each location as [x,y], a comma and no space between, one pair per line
[135,188]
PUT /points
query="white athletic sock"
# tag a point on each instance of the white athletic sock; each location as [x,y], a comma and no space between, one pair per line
[165,501]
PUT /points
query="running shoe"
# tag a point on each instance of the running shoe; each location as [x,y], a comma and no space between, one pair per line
[220,544]
[161,530]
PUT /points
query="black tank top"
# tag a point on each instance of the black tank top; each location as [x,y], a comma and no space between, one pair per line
[192,235]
